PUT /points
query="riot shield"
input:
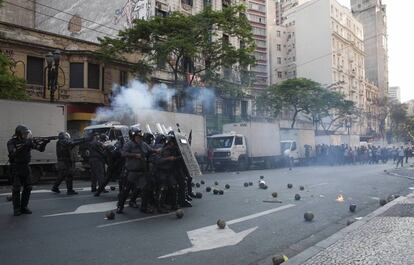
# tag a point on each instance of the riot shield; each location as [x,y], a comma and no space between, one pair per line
[188,156]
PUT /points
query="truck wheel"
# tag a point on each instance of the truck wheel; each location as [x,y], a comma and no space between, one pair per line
[37,174]
[242,164]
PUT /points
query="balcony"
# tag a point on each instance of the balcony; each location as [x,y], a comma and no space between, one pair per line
[83,95]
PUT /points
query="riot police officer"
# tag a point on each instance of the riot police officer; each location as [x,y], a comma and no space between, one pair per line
[164,173]
[97,162]
[19,148]
[136,153]
[115,163]
[65,163]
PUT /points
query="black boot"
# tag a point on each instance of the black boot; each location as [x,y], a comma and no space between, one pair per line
[55,189]
[25,210]
[17,212]
[71,192]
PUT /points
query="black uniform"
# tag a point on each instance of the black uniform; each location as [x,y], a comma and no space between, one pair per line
[97,164]
[65,163]
[136,173]
[19,156]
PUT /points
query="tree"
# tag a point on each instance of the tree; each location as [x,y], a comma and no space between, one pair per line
[197,45]
[296,95]
[399,119]
[11,87]
[333,111]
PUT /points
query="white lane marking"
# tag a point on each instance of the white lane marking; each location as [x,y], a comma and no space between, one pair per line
[33,191]
[49,191]
[317,185]
[375,198]
[211,237]
[89,208]
[135,220]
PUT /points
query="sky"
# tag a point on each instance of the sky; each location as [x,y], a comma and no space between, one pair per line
[400,47]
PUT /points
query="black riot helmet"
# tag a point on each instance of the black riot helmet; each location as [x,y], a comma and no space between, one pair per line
[135,131]
[63,136]
[22,131]
[148,138]
[160,139]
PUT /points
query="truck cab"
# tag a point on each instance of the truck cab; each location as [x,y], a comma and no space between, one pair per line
[229,149]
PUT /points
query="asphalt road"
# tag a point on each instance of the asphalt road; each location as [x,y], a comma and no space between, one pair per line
[256,230]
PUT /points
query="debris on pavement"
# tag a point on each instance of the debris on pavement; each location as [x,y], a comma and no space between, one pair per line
[382,202]
[221,224]
[179,213]
[208,189]
[109,215]
[277,260]
[308,216]
[297,197]
[246,184]
[289,186]
[227,186]
[352,208]
[274,194]
[301,188]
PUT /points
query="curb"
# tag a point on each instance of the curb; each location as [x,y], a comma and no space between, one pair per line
[324,244]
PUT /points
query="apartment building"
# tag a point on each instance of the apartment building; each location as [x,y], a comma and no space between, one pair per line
[373,16]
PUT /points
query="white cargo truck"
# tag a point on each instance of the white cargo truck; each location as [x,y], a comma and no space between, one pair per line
[295,142]
[246,143]
[43,119]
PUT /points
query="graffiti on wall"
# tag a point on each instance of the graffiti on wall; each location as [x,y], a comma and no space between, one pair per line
[132,9]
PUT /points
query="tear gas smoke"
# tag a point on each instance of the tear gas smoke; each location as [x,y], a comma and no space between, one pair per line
[135,102]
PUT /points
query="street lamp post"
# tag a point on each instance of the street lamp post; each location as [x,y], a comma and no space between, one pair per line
[53,60]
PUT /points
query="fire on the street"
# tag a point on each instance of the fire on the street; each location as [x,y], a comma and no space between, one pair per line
[340,198]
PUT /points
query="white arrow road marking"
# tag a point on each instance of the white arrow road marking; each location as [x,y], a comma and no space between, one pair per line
[90,208]
[211,237]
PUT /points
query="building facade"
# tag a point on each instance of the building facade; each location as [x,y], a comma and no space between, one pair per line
[85,82]
[394,93]
[372,15]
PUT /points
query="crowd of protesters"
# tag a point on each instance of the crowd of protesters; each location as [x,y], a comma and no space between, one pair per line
[370,154]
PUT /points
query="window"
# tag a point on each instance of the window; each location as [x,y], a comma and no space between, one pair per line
[103,79]
[93,76]
[279,74]
[34,70]
[76,75]
[279,47]
[278,33]
[160,13]
[187,2]
[123,78]
[257,7]
[228,107]
[260,43]
[238,141]
[259,31]
[244,109]
[279,60]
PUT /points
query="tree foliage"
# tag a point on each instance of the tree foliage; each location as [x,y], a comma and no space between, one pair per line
[325,108]
[196,45]
[11,87]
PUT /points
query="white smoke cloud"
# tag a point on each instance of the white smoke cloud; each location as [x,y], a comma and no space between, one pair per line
[131,100]
[137,104]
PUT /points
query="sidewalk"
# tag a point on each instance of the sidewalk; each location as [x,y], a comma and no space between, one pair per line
[386,236]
